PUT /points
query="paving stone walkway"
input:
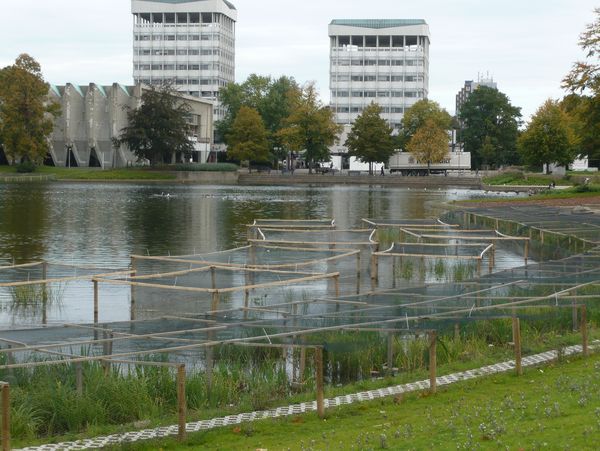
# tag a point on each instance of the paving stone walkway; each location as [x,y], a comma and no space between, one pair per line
[295,409]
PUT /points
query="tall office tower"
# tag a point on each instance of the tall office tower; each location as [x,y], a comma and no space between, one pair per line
[383,61]
[189,43]
[471,86]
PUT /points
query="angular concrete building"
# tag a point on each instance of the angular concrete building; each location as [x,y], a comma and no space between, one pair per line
[92,115]
[385,61]
[189,43]
[471,86]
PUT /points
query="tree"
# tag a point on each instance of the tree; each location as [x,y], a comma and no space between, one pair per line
[549,138]
[489,118]
[272,99]
[310,127]
[416,116]
[26,114]
[429,143]
[158,129]
[248,137]
[371,137]
[583,82]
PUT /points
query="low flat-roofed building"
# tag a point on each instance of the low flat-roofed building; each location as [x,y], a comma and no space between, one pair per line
[93,116]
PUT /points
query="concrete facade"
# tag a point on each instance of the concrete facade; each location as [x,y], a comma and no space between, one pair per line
[383,61]
[188,43]
[91,116]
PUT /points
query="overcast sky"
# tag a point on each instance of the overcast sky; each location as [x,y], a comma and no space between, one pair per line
[526,45]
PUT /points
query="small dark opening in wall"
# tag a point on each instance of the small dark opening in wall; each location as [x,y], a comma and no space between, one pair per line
[94,161]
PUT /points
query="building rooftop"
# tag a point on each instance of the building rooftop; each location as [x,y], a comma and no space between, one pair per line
[378,23]
[229,4]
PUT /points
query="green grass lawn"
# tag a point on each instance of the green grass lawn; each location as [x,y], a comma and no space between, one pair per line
[550,407]
[94,173]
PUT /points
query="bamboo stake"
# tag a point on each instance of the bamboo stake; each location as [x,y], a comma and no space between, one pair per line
[336,281]
[584,331]
[215,301]
[358,272]
[319,382]
[432,362]
[213,277]
[517,342]
[246,303]
[5,417]
[574,316]
[181,402]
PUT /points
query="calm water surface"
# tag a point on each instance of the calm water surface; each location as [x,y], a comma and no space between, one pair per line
[103,224]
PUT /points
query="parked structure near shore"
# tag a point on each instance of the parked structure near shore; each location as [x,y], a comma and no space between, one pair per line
[93,115]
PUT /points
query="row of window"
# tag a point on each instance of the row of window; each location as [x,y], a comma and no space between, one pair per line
[377,62]
[359,109]
[377,94]
[173,52]
[177,66]
[177,37]
[184,81]
[380,77]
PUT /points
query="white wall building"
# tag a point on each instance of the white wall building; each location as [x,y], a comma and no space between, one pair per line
[383,61]
[189,43]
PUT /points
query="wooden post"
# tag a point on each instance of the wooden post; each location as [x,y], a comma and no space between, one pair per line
[390,353]
[479,267]
[181,402]
[302,368]
[319,382]
[358,273]
[79,378]
[215,301]
[517,342]
[246,302]
[5,417]
[374,268]
[432,362]
[213,277]
[44,294]
[526,250]
[132,295]
[95,302]
[336,280]
[393,272]
[584,331]
[574,315]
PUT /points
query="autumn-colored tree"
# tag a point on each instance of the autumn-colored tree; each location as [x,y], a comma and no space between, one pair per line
[26,114]
[248,137]
[549,138]
[371,137]
[158,129]
[310,127]
[429,144]
[416,116]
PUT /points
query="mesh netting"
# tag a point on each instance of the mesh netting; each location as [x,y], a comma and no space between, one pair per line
[468,250]
[409,223]
[318,237]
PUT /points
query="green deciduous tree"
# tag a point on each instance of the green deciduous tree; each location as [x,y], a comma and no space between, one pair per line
[416,116]
[549,137]
[248,137]
[488,118]
[371,137]
[26,114]
[583,104]
[158,129]
[429,143]
[310,127]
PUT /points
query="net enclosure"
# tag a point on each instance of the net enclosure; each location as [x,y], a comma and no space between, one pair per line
[258,256]
[409,223]
[319,238]
[294,224]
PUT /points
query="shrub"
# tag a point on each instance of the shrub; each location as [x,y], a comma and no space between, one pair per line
[25,167]
[207,167]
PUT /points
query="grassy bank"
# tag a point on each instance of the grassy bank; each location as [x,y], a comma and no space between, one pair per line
[95,173]
[524,179]
[552,407]
[46,405]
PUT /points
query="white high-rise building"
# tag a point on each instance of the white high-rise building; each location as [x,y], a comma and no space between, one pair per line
[385,61]
[189,43]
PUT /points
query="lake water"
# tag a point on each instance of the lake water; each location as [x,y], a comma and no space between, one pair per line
[103,224]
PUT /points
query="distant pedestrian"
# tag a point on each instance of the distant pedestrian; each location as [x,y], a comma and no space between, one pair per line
[382,171]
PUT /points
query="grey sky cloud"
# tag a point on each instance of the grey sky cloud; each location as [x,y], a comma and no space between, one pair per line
[527,46]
